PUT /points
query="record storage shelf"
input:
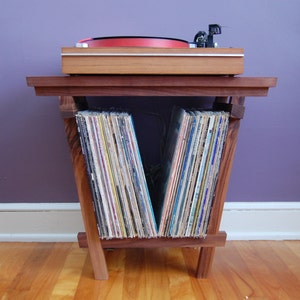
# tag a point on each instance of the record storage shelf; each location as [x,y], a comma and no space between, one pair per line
[229,93]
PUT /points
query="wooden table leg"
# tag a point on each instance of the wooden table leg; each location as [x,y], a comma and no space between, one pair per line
[86,200]
[236,108]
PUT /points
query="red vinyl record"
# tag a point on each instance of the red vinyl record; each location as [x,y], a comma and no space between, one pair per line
[135,41]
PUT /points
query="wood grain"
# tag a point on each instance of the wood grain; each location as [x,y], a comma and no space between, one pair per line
[86,200]
[150,85]
[222,87]
[212,240]
[139,60]
[207,253]
[241,270]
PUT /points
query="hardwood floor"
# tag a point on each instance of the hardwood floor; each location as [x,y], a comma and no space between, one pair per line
[241,270]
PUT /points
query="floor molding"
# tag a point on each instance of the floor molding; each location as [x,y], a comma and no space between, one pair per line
[59,222]
[261,220]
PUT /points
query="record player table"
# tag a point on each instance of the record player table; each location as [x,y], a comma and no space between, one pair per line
[229,93]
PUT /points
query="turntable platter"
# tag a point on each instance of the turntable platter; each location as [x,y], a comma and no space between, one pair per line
[134,41]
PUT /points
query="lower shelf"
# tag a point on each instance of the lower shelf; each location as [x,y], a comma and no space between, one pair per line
[211,240]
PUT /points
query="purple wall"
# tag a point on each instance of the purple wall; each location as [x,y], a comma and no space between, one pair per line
[34,160]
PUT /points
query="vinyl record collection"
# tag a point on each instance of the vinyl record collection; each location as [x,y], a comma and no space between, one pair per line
[190,171]
[121,198]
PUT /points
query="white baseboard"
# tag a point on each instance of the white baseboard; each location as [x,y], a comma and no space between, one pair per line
[60,222]
[261,220]
[40,222]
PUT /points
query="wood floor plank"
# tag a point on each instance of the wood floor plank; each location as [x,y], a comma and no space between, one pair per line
[47,271]
[289,284]
[13,257]
[241,270]
[202,288]
[23,283]
[134,277]
[179,280]
[237,272]
[69,277]
[267,267]
[295,247]
[157,279]
[113,288]
[88,287]
[225,278]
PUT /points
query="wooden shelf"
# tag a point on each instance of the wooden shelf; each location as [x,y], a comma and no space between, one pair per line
[151,85]
[212,240]
[229,93]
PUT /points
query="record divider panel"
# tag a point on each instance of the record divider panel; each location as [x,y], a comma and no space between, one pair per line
[229,95]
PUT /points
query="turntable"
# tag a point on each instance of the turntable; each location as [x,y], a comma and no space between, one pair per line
[152,55]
